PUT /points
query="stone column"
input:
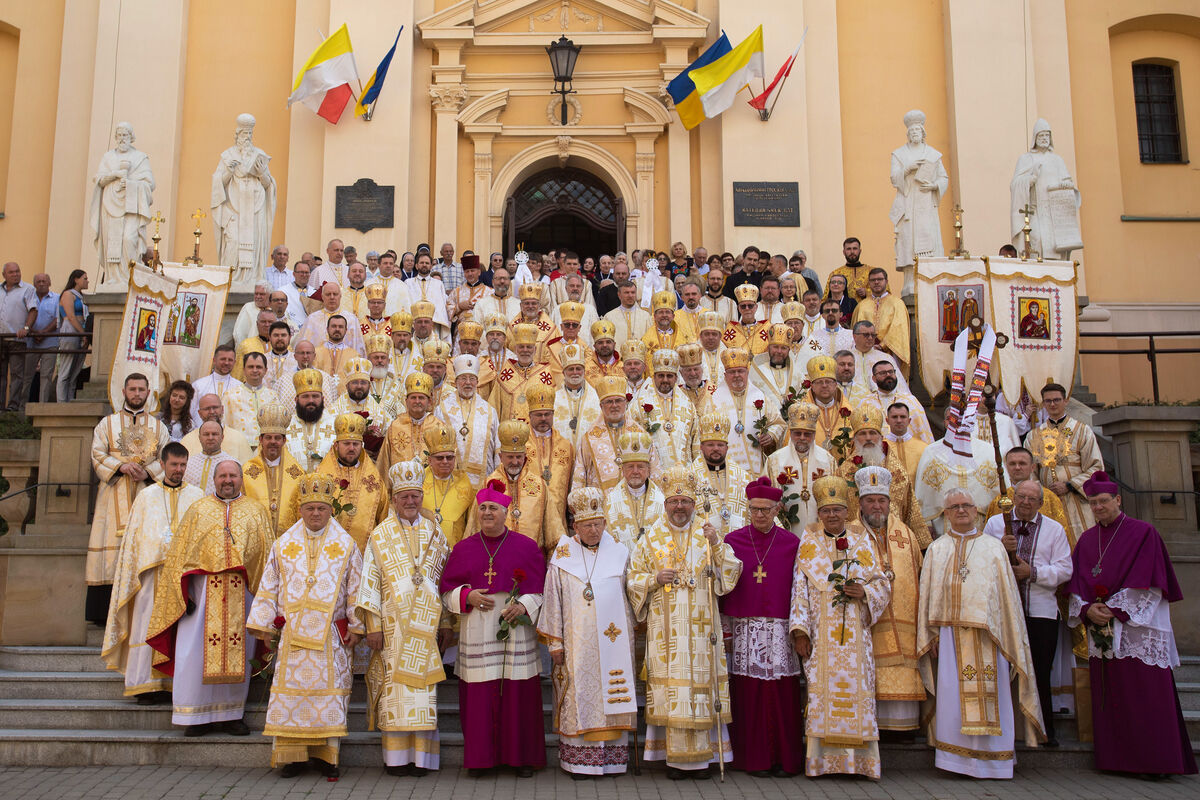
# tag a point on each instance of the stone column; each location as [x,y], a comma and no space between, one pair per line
[482,241]
[644,235]
[447,100]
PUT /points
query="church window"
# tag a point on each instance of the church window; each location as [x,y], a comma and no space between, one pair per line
[1157,109]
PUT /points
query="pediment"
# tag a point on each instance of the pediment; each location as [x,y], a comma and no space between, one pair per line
[509,22]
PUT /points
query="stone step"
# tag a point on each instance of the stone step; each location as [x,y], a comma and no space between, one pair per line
[1189,696]
[1188,670]
[61,686]
[51,659]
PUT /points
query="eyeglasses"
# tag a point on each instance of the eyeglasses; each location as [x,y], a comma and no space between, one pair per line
[754,510]
[961,507]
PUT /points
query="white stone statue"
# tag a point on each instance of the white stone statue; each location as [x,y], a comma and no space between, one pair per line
[243,206]
[920,181]
[120,210]
[1042,183]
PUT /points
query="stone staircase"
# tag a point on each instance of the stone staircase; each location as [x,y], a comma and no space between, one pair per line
[60,707]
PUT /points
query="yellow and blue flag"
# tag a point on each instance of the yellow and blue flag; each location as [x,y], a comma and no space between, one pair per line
[719,82]
[683,90]
[375,82]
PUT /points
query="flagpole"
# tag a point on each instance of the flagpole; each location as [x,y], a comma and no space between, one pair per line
[371,111]
[786,75]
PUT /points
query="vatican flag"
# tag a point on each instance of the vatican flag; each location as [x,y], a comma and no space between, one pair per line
[194,321]
[150,295]
[323,83]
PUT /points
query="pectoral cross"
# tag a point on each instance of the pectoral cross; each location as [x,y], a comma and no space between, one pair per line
[491,573]
[759,574]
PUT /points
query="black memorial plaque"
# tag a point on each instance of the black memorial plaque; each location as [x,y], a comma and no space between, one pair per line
[364,206]
[766,204]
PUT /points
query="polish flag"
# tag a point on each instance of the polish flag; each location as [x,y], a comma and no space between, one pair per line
[767,98]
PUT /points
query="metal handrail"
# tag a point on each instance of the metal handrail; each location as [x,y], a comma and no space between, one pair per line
[1151,352]
[9,347]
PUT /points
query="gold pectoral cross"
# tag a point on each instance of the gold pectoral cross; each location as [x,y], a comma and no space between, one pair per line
[759,574]
[491,573]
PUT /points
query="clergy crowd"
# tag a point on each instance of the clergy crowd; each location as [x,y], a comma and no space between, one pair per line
[692,495]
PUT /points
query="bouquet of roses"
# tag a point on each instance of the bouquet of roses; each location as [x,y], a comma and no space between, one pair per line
[506,626]
[373,436]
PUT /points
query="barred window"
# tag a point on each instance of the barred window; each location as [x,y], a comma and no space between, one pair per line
[1154,98]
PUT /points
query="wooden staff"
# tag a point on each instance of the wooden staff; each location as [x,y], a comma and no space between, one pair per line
[1004,501]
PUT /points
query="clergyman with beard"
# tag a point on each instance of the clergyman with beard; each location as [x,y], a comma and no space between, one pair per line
[310,434]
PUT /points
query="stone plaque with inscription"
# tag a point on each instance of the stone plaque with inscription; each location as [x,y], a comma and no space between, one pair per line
[364,206]
[766,204]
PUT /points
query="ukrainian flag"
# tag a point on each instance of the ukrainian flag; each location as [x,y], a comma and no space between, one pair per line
[375,82]
[719,82]
[683,91]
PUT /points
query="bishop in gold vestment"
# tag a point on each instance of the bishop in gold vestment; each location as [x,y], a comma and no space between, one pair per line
[361,494]
[449,492]
[523,483]
[272,477]
[550,455]
[634,503]
[404,439]
[1066,451]
[596,460]
[520,374]
[666,412]
[720,483]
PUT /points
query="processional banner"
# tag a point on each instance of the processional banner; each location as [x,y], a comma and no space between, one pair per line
[1033,304]
[949,292]
[194,321]
[139,349]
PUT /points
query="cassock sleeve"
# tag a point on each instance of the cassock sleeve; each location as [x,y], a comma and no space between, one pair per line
[455,582]
[800,620]
[1089,459]
[354,573]
[728,568]
[878,595]
[776,427]
[369,603]
[640,579]
[106,465]
[154,468]
[1058,568]
[266,603]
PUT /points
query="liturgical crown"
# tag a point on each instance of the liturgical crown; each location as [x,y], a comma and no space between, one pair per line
[679,481]
[586,503]
[406,476]
[573,354]
[780,334]
[873,480]
[496,323]
[524,333]
[803,417]
[317,487]
[439,438]
[690,354]
[466,364]
[418,383]
[308,380]
[470,330]
[822,367]
[746,293]
[634,446]
[349,428]
[735,358]
[603,329]
[530,291]
[356,369]
[570,311]
[712,321]
[633,350]
[514,433]
[832,490]
[611,386]
[540,398]
[401,321]
[665,360]
[435,351]
[792,310]
[866,418]
[422,309]
[376,291]
[274,418]
[664,299]
[377,343]
[714,428]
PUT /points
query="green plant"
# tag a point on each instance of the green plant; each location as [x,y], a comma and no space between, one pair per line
[17,426]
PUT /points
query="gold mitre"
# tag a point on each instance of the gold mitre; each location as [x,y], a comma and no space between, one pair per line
[611,386]
[496,323]
[418,383]
[376,291]
[356,369]
[633,446]
[470,330]
[401,321]
[603,329]
[377,343]
[714,428]
[690,354]
[746,293]
[664,299]
[803,417]
[540,398]
[514,433]
[679,481]
[712,321]
[423,309]
[792,310]
[633,350]
[316,487]
[586,503]
[831,490]
[735,358]
[435,351]
[570,311]
[349,428]
[665,360]
[530,291]
[822,367]
[865,418]
[439,438]
[407,476]
[274,418]
[572,354]
[308,380]
[524,333]
[780,334]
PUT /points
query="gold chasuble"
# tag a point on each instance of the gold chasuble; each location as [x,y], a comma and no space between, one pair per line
[552,458]
[1068,452]
[404,441]
[841,731]
[890,317]
[227,541]
[596,462]
[511,384]
[276,488]
[361,492]
[527,513]
[904,501]
[680,659]
[895,633]
[447,502]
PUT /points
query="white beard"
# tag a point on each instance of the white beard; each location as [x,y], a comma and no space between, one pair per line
[378,373]
[872,455]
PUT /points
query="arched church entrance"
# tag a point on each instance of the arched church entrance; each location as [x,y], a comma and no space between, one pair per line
[564,208]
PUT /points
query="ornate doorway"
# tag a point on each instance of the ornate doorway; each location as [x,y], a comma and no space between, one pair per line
[568,208]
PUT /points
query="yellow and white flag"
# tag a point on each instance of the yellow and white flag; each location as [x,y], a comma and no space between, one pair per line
[140,347]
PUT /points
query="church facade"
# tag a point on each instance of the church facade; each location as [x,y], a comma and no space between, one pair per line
[469,133]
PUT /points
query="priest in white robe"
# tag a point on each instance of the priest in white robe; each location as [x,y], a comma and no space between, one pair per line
[797,465]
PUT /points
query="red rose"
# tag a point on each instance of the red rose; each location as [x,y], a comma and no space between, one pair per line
[518,574]
[784,479]
[845,412]
[628,397]
[363,414]
[842,543]
[277,622]
[758,404]
[885,448]
[807,384]
[345,484]
[858,461]
[647,407]
[1101,591]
